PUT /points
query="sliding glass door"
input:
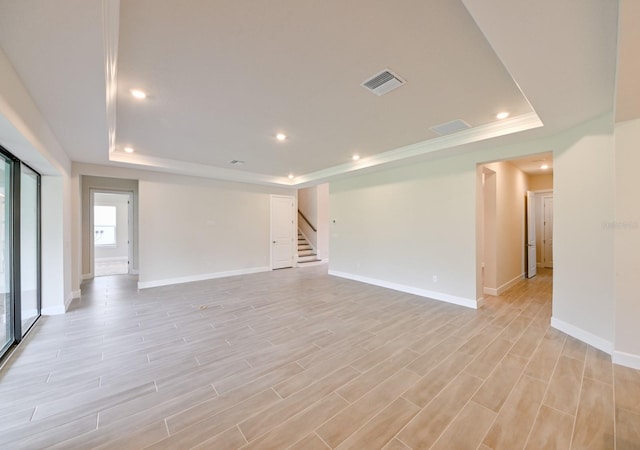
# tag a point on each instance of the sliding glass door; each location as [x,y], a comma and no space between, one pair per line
[6,311]
[19,249]
[29,247]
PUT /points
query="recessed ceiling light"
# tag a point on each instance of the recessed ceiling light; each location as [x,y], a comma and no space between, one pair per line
[502,115]
[291,176]
[355,157]
[129,150]
[544,166]
[137,93]
[281,136]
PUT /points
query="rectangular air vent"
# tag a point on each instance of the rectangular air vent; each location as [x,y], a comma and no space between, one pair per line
[236,162]
[450,127]
[383,82]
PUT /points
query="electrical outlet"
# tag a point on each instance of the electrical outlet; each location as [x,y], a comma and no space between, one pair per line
[435,278]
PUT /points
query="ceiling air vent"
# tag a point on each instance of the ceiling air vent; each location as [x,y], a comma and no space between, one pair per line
[450,127]
[383,82]
[236,162]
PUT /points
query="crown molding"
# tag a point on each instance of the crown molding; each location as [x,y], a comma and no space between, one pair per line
[508,126]
[199,170]
[516,124]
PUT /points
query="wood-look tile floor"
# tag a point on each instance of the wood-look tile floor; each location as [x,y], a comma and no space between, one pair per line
[298,359]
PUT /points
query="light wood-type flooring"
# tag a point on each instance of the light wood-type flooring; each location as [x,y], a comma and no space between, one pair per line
[299,359]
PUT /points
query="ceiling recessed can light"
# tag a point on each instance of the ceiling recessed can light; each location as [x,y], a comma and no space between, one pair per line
[137,93]
[291,176]
[355,157]
[502,115]
[281,136]
[544,166]
[128,149]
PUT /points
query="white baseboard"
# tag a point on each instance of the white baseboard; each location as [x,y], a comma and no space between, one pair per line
[86,276]
[469,303]
[76,294]
[582,335]
[202,277]
[626,359]
[617,357]
[504,287]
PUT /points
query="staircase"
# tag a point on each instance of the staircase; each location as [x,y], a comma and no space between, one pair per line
[306,254]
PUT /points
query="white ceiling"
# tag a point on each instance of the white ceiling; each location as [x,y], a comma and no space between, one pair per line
[223,77]
[532,165]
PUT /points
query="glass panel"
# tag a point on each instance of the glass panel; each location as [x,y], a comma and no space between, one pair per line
[6,320]
[29,276]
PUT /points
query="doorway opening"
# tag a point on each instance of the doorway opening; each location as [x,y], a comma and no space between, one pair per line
[111,214]
[514,221]
[313,225]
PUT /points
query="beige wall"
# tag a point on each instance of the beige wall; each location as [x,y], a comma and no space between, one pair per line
[510,191]
[541,182]
[626,233]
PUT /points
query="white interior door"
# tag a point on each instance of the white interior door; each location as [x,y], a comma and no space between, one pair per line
[547,247]
[282,231]
[531,234]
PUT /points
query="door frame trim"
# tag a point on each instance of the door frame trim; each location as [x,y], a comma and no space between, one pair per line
[130,227]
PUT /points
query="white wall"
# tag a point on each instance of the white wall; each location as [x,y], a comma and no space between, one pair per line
[193,228]
[308,206]
[313,202]
[52,248]
[323,221]
[626,232]
[404,226]
[26,134]
[583,294]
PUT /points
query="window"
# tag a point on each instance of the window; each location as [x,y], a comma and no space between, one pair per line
[104,227]
[20,290]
